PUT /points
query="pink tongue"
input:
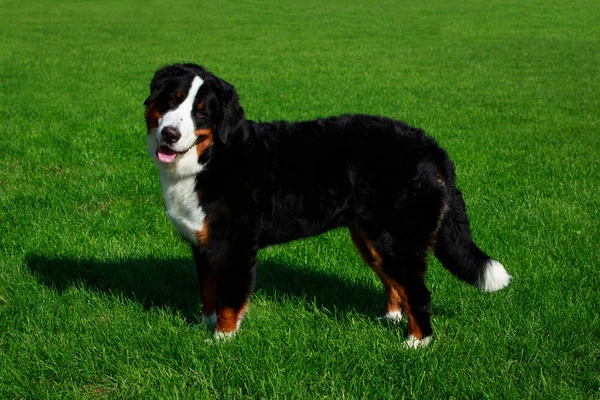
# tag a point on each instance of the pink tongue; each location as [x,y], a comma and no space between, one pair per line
[165,154]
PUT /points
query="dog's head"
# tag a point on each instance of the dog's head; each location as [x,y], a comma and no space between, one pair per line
[189,108]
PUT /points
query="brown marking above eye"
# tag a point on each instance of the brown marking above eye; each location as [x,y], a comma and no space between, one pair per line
[152,116]
[176,97]
[200,110]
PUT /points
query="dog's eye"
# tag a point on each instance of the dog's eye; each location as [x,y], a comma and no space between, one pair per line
[174,98]
[200,114]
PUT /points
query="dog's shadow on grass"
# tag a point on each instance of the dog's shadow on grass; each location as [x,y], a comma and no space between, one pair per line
[173,284]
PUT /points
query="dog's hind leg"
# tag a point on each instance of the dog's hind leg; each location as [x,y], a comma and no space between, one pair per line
[401,263]
[373,260]
[405,263]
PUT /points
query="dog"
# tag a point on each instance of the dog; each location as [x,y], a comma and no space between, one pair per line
[233,186]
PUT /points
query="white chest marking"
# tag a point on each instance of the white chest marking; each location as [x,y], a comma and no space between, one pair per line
[178,181]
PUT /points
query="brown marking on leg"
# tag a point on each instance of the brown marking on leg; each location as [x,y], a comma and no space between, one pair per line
[394,299]
[374,260]
[413,326]
[361,246]
[229,318]
[152,116]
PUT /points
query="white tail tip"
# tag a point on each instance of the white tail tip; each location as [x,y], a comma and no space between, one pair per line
[494,277]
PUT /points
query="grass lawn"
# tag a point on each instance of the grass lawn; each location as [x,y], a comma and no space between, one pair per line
[98,295]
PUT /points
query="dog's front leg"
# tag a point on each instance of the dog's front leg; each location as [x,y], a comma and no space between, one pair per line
[235,274]
[208,284]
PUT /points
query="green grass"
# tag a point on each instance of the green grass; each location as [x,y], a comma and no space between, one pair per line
[98,296]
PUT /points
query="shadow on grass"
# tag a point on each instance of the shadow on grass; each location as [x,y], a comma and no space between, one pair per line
[173,284]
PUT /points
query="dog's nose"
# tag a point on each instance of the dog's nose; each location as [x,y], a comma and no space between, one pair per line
[170,134]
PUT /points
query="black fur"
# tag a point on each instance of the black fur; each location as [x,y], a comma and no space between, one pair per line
[269,183]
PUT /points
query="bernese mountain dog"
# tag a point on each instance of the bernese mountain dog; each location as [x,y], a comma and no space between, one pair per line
[233,186]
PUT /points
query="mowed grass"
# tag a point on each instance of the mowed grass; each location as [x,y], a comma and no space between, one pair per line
[98,295]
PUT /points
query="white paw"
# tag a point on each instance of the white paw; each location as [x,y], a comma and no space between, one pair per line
[392,316]
[494,277]
[220,337]
[413,343]
[223,337]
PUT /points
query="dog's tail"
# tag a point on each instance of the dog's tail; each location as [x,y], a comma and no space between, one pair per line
[455,247]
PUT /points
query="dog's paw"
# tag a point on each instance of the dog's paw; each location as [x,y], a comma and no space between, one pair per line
[224,336]
[413,343]
[394,317]
[220,338]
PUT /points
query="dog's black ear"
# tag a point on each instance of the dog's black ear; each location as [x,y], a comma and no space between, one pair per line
[232,116]
[159,82]
[154,93]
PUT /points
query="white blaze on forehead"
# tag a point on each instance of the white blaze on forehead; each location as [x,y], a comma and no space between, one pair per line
[181,118]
